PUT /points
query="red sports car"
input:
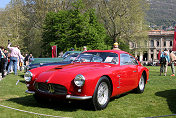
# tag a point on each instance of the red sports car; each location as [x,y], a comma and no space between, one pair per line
[97,75]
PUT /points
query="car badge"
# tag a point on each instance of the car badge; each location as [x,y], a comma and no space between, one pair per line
[46,81]
[51,90]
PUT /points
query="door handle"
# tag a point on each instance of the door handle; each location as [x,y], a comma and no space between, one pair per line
[134,71]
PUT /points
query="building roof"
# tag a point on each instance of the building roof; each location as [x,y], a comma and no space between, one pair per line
[160,32]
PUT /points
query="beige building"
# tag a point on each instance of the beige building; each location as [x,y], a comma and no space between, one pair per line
[159,40]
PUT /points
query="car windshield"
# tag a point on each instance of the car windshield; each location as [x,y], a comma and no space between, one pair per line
[71,57]
[66,54]
[103,57]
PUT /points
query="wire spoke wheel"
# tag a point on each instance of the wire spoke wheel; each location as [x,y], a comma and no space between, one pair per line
[102,96]
[141,83]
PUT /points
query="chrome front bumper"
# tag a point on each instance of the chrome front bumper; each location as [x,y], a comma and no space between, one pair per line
[78,97]
[68,96]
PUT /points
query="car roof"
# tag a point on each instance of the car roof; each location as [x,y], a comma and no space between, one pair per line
[114,51]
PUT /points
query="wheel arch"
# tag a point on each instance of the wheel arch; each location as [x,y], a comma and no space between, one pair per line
[109,81]
[145,76]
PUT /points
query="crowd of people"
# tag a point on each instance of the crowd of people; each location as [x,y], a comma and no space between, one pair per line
[12,60]
[167,57]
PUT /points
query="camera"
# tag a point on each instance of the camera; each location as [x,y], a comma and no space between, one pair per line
[8,41]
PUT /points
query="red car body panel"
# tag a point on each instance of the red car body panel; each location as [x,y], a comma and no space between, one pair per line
[123,77]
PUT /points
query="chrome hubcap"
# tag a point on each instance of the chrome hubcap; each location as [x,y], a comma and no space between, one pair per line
[102,95]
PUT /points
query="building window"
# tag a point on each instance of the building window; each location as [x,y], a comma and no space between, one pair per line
[151,43]
[164,43]
[151,57]
[170,43]
[157,43]
[151,50]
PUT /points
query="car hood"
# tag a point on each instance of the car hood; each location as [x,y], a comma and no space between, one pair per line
[64,73]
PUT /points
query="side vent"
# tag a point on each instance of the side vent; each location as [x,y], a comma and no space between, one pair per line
[58,68]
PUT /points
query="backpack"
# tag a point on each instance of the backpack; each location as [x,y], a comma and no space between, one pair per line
[163,60]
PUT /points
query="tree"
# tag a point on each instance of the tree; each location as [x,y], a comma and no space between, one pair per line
[123,19]
[22,22]
[71,28]
[11,21]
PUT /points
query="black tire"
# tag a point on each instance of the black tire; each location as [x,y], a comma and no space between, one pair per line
[101,97]
[141,85]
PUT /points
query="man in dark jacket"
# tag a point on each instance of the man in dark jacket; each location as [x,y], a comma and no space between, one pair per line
[2,62]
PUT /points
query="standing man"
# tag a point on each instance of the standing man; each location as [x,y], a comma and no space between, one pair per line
[31,58]
[14,55]
[6,60]
[26,62]
[172,59]
[2,61]
[164,60]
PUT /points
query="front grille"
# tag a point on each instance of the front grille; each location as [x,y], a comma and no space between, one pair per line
[55,89]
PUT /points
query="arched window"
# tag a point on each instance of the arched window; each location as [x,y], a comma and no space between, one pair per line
[157,43]
[152,43]
[164,43]
[170,43]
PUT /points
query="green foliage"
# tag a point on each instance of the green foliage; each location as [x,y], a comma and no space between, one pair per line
[70,24]
[71,28]
[124,47]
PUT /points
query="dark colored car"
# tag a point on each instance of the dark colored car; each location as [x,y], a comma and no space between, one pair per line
[69,58]
[51,60]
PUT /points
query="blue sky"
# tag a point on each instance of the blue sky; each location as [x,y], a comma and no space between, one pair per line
[3,3]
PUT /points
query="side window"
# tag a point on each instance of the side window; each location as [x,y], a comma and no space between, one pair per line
[134,61]
[126,59]
[111,58]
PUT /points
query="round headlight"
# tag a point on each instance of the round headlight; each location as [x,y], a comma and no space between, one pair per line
[28,76]
[79,80]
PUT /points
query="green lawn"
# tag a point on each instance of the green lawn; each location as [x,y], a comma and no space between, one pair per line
[159,98]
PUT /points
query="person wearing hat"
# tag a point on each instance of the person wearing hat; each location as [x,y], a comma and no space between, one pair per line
[84,48]
[116,46]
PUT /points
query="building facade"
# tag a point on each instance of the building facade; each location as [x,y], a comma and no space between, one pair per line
[158,41]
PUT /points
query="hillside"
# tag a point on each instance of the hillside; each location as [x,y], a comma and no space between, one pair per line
[162,13]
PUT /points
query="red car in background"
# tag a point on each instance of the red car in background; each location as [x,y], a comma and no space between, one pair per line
[97,75]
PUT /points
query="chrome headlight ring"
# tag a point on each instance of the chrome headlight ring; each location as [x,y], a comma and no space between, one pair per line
[79,80]
[28,76]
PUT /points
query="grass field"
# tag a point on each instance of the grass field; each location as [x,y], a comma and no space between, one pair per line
[159,98]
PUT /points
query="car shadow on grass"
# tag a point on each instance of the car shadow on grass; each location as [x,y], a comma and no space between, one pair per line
[170,95]
[56,105]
